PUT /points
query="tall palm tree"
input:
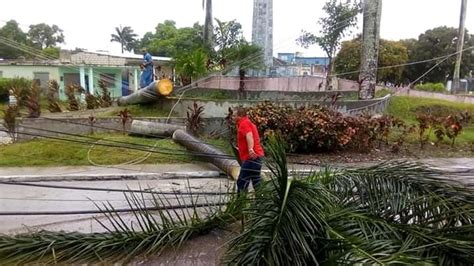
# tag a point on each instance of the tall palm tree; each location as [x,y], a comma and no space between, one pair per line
[245,56]
[208,26]
[126,37]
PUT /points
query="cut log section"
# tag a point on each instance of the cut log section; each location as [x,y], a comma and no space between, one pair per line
[230,167]
[147,128]
[149,93]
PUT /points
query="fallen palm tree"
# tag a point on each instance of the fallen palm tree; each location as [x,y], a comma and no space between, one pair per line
[215,156]
[154,128]
[150,93]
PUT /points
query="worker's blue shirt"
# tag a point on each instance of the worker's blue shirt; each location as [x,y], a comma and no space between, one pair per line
[147,74]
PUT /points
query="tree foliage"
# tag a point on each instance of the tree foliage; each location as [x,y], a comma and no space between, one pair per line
[227,35]
[43,35]
[341,16]
[168,40]
[435,43]
[11,31]
[392,53]
[126,37]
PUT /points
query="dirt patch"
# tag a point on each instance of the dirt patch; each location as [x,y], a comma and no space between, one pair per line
[205,250]
[412,151]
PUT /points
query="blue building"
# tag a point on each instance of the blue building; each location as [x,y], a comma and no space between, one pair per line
[314,66]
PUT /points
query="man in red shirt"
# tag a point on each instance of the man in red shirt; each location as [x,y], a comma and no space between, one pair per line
[250,151]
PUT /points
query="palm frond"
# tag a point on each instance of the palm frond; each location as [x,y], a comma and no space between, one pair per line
[151,232]
[395,212]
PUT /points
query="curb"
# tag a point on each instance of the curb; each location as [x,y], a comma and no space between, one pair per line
[107,177]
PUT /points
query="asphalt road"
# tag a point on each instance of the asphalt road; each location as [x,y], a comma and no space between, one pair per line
[17,198]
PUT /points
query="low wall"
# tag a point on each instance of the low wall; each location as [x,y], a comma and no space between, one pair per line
[294,84]
[434,95]
[30,128]
[216,94]
[219,108]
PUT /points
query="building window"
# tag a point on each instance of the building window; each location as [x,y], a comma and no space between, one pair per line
[71,79]
[41,79]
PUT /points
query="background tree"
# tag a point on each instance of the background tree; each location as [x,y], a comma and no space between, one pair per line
[144,41]
[126,37]
[12,32]
[42,35]
[392,53]
[227,34]
[341,16]
[439,42]
[168,39]
[52,52]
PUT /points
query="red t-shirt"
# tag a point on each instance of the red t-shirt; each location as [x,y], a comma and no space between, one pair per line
[245,126]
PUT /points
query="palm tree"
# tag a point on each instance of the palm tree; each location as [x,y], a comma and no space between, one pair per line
[191,66]
[245,56]
[126,37]
[208,27]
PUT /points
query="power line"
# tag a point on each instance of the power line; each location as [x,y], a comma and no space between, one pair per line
[113,190]
[142,208]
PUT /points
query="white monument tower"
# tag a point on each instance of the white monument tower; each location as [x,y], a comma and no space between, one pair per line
[262,29]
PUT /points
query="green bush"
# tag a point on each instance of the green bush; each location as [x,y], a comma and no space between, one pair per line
[318,129]
[6,84]
[432,87]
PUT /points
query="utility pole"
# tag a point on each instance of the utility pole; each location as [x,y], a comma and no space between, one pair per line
[457,68]
[370,48]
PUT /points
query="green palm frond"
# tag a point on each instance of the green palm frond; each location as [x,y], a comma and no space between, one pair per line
[392,213]
[152,230]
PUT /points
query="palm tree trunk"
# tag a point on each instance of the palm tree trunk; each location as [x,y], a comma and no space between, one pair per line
[208,27]
[370,48]
[242,80]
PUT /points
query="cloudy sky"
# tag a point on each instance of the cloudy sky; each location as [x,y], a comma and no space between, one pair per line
[89,23]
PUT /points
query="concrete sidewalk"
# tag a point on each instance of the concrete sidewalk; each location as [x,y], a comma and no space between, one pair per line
[461,167]
[116,172]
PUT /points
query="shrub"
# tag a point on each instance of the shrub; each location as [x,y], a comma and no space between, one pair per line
[22,85]
[316,129]
[194,120]
[10,122]
[105,100]
[91,101]
[32,103]
[53,105]
[432,87]
[71,98]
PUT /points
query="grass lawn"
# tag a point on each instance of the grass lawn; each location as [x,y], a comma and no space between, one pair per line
[140,110]
[47,152]
[406,108]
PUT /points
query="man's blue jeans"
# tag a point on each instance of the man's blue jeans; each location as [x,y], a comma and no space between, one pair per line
[249,172]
